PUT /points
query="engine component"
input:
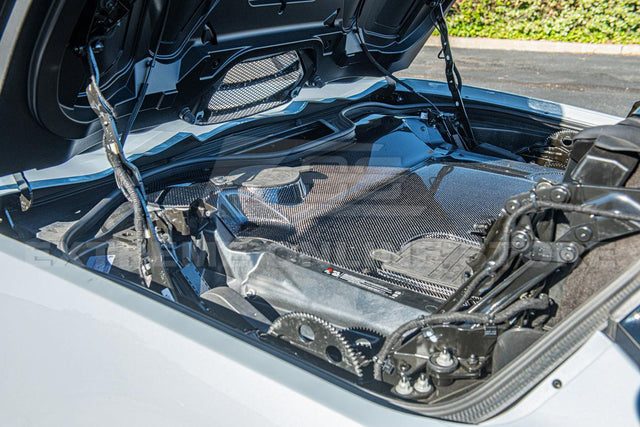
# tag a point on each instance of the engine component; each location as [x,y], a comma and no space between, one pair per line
[280,185]
[293,282]
[440,263]
[351,212]
[317,337]
[228,298]
[555,152]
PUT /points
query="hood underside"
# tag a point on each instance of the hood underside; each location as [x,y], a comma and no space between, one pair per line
[167,57]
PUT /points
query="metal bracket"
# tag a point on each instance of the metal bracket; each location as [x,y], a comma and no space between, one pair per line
[26,194]
[559,252]
[589,215]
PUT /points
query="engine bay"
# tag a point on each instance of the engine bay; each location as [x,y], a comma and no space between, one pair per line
[258,167]
[386,254]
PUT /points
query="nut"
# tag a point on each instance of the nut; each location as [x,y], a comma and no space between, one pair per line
[423,385]
[404,387]
[444,359]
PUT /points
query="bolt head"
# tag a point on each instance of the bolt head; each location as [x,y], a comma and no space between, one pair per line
[511,205]
[568,254]
[559,195]
[584,233]
[543,185]
[520,240]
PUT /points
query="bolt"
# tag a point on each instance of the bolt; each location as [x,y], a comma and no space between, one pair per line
[584,233]
[430,334]
[520,240]
[556,383]
[543,185]
[404,387]
[473,360]
[559,195]
[444,359]
[512,205]
[568,254]
[423,385]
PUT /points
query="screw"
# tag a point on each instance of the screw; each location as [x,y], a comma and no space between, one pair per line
[568,254]
[559,195]
[512,205]
[520,240]
[584,233]
[473,360]
[556,383]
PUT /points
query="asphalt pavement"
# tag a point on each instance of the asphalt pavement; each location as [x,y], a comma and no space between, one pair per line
[607,83]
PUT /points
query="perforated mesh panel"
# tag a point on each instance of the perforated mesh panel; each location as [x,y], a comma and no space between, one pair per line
[254,86]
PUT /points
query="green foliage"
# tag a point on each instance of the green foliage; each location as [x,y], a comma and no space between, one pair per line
[587,21]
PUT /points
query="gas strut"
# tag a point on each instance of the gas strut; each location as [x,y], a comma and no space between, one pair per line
[454,80]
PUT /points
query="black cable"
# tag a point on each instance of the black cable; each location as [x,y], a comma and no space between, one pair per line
[388,74]
[381,69]
[444,126]
[466,291]
[145,81]
[541,303]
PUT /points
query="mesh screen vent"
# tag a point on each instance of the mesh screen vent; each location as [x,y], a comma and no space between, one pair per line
[254,86]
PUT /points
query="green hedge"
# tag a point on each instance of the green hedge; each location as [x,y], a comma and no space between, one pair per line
[608,21]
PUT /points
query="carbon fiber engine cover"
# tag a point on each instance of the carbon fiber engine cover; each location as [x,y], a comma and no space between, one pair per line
[380,198]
